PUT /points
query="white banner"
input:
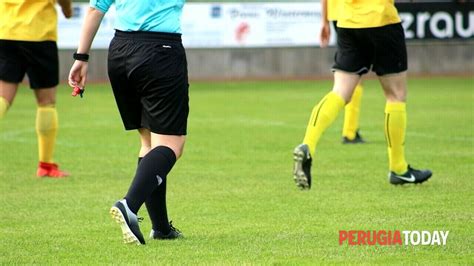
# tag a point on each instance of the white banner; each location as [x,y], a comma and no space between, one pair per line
[220,25]
[251,24]
[69,29]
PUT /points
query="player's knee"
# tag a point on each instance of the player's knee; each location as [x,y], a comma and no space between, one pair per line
[177,145]
[179,151]
[345,94]
[46,102]
[46,98]
[396,96]
[174,142]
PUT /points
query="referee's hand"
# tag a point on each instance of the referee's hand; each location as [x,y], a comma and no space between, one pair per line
[78,74]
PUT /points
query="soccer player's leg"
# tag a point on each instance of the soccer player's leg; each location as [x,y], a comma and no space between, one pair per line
[43,75]
[322,116]
[12,72]
[395,127]
[350,130]
[46,131]
[390,66]
[7,94]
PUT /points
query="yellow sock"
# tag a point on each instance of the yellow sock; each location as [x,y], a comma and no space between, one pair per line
[351,114]
[322,116]
[395,126]
[46,130]
[4,105]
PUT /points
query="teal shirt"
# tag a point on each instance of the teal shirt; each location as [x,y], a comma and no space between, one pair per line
[144,15]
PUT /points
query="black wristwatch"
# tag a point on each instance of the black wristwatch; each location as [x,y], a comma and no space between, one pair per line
[81,57]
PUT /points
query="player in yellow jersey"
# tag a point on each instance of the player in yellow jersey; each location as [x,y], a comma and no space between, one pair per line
[370,37]
[28,34]
[350,129]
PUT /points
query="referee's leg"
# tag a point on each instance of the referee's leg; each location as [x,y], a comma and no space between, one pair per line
[175,143]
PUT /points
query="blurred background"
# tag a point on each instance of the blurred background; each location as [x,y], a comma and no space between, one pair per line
[280,39]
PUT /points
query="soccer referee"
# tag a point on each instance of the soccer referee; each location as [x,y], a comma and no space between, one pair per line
[148,73]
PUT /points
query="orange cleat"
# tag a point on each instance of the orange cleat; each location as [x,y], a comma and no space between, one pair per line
[50,170]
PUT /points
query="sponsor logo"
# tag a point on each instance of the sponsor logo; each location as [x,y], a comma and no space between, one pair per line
[437,20]
[241,32]
[160,180]
[408,179]
[216,11]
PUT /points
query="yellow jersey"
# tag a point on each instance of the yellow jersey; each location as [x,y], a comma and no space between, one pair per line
[28,20]
[333,9]
[367,13]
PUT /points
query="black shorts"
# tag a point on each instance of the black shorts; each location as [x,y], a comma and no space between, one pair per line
[39,60]
[381,49]
[149,77]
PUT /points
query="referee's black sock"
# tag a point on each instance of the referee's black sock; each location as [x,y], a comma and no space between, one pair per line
[156,206]
[151,173]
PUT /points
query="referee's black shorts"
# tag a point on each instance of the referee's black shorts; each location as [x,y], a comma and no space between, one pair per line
[39,60]
[381,49]
[149,78]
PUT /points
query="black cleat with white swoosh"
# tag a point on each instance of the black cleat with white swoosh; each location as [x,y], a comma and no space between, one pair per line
[412,176]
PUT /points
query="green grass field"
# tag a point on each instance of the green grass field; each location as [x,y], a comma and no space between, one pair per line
[232,193]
